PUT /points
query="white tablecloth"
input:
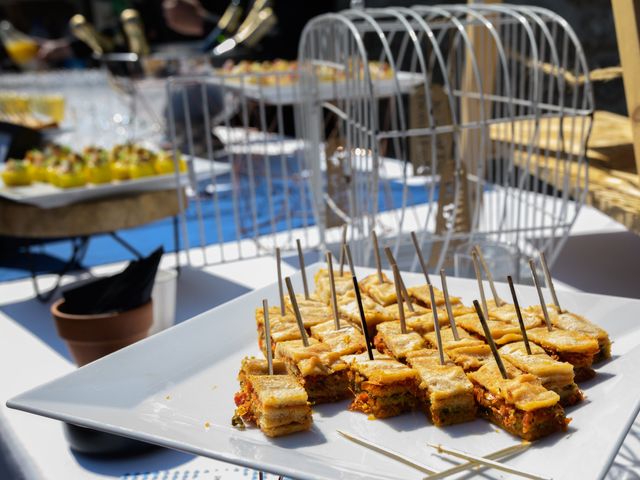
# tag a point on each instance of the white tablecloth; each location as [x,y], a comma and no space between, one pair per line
[600,256]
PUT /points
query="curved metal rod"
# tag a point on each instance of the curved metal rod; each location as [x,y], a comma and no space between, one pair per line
[308,94]
[476,71]
[507,83]
[587,104]
[436,57]
[521,19]
[370,17]
[541,200]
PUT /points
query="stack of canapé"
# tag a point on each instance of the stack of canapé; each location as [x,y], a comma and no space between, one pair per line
[391,349]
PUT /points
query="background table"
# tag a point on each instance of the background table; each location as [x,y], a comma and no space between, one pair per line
[86,218]
[600,256]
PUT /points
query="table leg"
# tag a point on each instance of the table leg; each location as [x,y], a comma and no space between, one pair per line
[79,250]
[126,244]
[176,242]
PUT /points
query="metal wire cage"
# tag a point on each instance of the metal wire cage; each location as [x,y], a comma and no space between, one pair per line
[244,121]
[462,122]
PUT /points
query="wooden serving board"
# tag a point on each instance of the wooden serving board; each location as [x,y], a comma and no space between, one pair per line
[614,186]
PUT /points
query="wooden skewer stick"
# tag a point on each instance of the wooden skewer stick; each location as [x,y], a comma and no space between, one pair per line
[536,282]
[516,305]
[387,452]
[405,293]
[376,252]
[447,303]
[280,288]
[296,311]
[423,265]
[489,337]
[396,281]
[487,271]
[473,465]
[547,276]
[485,461]
[406,296]
[363,319]
[302,269]
[476,267]
[342,250]
[332,285]
[267,335]
[347,251]
[436,325]
[424,469]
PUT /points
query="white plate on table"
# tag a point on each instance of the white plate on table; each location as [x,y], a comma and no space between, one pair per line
[290,94]
[45,195]
[176,389]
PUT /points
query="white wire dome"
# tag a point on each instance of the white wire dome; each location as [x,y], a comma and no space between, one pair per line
[483,112]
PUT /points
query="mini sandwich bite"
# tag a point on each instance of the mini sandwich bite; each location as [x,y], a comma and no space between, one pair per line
[280,332]
[444,390]
[318,369]
[342,282]
[277,404]
[312,310]
[347,340]
[283,327]
[422,296]
[259,366]
[502,332]
[383,293]
[468,352]
[423,322]
[383,387]
[374,312]
[426,356]
[519,404]
[577,323]
[394,311]
[507,313]
[393,342]
[568,346]
[554,375]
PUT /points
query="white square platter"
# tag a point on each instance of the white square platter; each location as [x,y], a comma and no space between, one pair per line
[176,389]
[45,195]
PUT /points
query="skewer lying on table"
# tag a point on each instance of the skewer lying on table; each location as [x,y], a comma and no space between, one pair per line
[486,462]
[470,465]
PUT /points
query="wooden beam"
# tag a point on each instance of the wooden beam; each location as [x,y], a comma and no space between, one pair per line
[625,15]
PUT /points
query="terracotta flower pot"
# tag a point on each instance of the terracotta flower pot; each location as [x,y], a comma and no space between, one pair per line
[90,337]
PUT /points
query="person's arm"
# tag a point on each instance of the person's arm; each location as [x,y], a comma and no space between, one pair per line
[186,17]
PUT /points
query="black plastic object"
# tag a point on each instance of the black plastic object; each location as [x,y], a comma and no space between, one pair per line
[124,291]
[15,140]
[92,442]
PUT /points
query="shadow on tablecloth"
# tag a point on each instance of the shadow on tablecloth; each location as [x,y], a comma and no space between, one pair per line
[198,291]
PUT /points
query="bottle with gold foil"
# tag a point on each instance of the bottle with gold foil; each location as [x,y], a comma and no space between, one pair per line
[84,31]
[259,22]
[22,49]
[227,25]
[262,24]
[133,29]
